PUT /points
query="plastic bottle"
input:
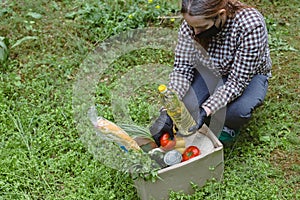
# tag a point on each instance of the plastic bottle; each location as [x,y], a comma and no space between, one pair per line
[176,110]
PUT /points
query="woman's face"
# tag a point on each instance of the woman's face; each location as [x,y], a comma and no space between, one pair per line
[199,23]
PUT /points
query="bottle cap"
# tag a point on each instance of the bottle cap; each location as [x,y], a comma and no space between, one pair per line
[162,88]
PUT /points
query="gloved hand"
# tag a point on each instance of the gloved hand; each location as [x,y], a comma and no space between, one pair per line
[202,118]
[163,124]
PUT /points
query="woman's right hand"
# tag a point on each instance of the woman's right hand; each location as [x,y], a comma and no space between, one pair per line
[163,124]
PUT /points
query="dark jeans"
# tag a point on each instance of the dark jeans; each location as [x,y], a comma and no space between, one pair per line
[238,112]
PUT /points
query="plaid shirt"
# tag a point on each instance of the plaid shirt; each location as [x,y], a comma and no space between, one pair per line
[239,51]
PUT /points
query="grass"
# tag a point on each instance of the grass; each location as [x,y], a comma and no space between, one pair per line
[41,153]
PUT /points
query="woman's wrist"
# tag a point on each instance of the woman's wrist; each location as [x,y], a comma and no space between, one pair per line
[207,110]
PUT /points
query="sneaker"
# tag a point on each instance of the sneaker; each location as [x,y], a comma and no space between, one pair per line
[228,135]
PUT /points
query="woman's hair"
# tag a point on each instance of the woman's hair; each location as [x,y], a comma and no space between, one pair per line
[210,7]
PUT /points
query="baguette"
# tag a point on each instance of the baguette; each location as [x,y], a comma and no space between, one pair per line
[114,132]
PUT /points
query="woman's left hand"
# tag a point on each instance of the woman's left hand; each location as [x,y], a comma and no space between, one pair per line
[202,116]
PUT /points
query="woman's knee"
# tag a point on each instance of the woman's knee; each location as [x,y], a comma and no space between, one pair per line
[237,115]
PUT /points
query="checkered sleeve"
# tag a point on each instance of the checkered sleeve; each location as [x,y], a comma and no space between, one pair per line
[251,48]
[183,73]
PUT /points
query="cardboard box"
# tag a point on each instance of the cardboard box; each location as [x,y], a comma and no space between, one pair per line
[208,165]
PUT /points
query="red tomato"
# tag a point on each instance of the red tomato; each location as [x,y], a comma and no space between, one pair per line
[190,152]
[166,143]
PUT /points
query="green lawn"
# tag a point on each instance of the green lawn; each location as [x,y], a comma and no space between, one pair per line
[42,155]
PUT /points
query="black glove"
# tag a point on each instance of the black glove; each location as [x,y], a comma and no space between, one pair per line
[163,124]
[202,118]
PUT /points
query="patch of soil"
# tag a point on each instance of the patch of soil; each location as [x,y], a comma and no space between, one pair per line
[289,163]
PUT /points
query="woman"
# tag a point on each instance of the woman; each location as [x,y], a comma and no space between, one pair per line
[236,40]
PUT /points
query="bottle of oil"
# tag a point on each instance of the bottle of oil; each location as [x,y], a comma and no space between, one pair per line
[176,110]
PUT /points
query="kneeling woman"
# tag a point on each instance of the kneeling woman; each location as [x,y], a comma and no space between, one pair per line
[235,39]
